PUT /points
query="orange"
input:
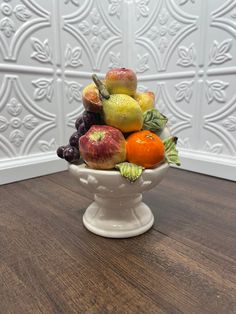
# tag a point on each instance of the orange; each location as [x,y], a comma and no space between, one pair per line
[144,148]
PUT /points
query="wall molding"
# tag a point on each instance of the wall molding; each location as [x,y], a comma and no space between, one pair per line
[26,167]
[222,167]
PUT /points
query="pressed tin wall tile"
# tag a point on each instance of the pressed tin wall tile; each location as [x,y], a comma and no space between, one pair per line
[183,50]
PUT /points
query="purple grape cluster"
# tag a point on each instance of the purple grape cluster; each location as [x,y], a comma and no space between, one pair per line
[69,153]
[83,123]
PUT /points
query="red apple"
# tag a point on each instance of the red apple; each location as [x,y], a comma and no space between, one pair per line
[121,81]
[102,147]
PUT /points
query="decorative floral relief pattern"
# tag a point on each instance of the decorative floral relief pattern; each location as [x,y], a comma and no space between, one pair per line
[3,124]
[84,27]
[44,89]
[42,51]
[29,122]
[46,146]
[215,91]
[96,32]
[7,27]
[187,56]
[18,22]
[73,56]
[153,33]
[75,2]
[114,60]
[114,7]
[213,148]
[184,91]
[15,123]
[14,108]
[230,123]
[6,9]
[17,137]
[22,13]
[142,8]
[184,143]
[73,91]
[142,63]
[167,28]
[219,52]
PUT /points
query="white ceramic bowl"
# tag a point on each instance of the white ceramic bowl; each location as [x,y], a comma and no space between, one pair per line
[117,210]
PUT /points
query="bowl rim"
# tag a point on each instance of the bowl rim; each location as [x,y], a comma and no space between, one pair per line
[109,172]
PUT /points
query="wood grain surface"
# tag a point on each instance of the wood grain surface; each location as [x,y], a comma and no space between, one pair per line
[49,263]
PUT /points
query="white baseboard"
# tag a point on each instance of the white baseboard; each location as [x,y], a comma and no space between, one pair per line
[218,166]
[29,167]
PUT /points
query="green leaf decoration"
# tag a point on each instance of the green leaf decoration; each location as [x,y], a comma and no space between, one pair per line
[171,153]
[129,170]
[154,120]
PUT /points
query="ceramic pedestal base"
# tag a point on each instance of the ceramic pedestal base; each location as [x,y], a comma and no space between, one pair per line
[118,218]
[117,210]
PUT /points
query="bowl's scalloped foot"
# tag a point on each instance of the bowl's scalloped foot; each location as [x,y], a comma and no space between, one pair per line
[118,219]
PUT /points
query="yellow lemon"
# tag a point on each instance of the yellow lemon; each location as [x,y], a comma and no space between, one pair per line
[122,112]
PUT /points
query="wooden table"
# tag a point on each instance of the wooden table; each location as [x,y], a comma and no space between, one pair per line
[49,263]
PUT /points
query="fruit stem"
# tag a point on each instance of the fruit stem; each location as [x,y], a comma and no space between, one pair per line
[101,87]
[97,136]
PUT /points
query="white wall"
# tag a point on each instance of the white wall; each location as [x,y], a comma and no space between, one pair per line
[184,50]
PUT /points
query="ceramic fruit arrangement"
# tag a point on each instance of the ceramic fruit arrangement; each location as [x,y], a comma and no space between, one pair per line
[120,128]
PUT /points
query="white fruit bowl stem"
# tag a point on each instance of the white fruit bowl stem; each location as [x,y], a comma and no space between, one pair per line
[117,210]
[118,218]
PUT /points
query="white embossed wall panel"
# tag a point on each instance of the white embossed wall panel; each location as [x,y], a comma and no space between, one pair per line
[184,50]
[48,51]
